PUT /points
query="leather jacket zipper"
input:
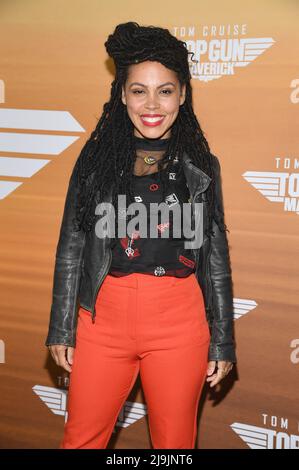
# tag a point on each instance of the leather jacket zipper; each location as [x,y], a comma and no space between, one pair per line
[107,267]
[209,296]
[195,250]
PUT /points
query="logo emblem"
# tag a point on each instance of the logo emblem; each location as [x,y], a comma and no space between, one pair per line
[276,187]
[171,199]
[159,271]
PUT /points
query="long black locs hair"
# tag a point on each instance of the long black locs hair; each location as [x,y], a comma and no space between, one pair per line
[108,156]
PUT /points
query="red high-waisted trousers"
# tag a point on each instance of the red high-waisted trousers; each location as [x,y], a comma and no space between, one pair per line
[152,325]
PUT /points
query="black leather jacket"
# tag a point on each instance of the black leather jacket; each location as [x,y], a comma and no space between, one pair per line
[83,260]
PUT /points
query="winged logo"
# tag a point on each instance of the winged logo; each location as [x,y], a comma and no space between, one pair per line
[130,413]
[31,143]
[56,400]
[251,49]
[254,436]
[272,185]
[238,53]
[243,306]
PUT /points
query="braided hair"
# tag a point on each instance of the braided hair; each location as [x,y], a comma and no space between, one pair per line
[108,156]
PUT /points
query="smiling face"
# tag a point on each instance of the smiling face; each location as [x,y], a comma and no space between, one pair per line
[153,95]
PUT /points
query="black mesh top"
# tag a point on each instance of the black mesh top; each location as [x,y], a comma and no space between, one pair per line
[155,256]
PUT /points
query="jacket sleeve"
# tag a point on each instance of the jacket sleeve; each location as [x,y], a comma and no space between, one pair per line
[67,272]
[222,344]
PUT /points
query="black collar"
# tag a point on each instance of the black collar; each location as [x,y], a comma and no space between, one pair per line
[150,144]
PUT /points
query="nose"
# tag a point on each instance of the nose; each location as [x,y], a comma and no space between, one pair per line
[152,102]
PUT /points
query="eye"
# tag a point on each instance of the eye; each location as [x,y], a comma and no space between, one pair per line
[164,92]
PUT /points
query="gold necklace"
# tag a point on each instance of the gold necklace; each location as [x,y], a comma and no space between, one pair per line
[148,159]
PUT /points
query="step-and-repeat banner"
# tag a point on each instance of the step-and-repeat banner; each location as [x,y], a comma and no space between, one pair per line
[55,77]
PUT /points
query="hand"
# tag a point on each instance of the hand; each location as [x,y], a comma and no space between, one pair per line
[223,368]
[62,355]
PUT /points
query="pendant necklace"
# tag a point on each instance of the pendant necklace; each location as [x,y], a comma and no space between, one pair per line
[150,160]
[150,145]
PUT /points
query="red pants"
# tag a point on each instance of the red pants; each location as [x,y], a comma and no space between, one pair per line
[152,325]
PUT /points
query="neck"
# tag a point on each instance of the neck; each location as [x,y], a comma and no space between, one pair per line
[144,143]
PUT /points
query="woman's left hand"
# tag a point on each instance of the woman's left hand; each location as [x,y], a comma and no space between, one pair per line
[223,368]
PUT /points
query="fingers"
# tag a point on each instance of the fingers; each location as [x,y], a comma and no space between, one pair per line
[70,354]
[211,367]
[62,359]
[62,355]
[216,378]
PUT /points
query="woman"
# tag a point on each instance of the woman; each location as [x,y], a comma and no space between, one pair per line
[148,305]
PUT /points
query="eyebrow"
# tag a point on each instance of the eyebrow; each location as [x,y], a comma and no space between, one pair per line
[160,86]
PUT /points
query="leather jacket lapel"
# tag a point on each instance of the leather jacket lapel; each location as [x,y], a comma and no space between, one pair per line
[197,180]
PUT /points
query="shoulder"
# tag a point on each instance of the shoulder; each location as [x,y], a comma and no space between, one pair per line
[216,164]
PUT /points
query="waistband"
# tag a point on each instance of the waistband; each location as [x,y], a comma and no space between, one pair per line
[146,280]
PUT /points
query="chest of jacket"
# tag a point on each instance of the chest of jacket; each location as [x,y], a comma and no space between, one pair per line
[97,256]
